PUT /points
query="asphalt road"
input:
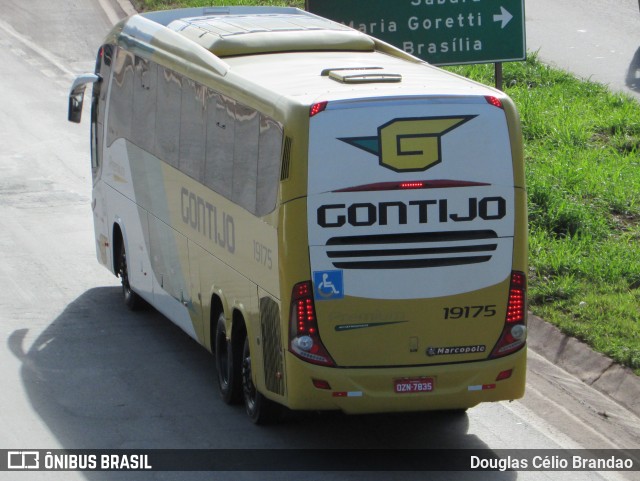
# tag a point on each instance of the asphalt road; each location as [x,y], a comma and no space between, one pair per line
[77,370]
[594,39]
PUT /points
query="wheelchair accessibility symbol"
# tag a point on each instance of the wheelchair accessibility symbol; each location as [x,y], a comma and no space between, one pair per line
[329,285]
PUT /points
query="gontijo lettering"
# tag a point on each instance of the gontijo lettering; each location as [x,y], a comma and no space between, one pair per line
[413,212]
[202,216]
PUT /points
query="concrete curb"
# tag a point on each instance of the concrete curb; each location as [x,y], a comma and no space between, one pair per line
[127,7]
[598,371]
[116,10]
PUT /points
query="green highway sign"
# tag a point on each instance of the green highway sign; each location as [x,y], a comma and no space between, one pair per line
[443,32]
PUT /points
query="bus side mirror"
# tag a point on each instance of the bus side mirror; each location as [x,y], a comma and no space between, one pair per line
[76,95]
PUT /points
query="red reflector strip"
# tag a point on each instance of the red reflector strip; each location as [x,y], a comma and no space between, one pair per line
[504,375]
[412,185]
[321,384]
[347,394]
[416,184]
[482,387]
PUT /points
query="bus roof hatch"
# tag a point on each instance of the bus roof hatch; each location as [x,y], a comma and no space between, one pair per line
[231,35]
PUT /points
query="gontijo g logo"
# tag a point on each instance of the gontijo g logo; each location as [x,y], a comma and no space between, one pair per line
[409,145]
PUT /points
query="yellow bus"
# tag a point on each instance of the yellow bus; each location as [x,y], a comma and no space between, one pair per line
[340,223]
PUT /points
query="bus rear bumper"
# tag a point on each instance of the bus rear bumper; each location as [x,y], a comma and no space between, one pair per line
[373,390]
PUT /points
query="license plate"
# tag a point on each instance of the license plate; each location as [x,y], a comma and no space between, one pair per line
[413,385]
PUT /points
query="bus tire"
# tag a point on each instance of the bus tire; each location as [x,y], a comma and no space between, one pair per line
[454,413]
[259,409]
[132,300]
[227,365]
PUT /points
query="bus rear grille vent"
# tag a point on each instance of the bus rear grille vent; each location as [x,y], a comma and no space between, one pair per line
[286,159]
[412,251]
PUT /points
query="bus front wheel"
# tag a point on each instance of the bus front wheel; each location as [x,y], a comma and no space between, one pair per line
[260,409]
[131,299]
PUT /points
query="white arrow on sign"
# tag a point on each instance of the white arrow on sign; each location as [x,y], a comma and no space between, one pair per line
[504,17]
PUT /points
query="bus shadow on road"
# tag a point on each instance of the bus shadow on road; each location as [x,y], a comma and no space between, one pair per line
[633,73]
[102,377]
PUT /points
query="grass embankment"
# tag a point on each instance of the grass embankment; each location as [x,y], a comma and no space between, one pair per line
[583,176]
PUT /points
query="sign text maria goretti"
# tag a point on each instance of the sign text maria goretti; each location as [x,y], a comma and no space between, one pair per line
[442,32]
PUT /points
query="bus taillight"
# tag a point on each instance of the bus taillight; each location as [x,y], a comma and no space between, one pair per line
[303,327]
[495,101]
[317,108]
[514,333]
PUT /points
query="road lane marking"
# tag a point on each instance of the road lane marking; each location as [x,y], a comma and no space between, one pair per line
[44,53]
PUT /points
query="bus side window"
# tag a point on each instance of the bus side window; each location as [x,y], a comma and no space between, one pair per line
[144,104]
[245,157]
[168,116]
[193,129]
[98,105]
[270,147]
[121,98]
[218,174]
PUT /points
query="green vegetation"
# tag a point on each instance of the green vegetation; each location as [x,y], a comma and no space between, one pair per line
[583,178]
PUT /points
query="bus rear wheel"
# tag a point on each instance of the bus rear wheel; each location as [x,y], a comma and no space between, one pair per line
[132,300]
[227,365]
[259,409]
